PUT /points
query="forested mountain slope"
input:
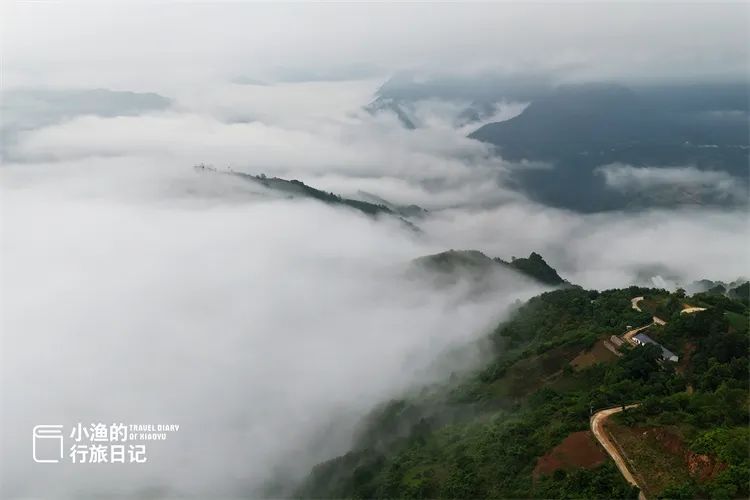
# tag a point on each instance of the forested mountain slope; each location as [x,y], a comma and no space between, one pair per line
[502,431]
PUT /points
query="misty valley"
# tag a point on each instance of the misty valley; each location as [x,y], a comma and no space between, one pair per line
[374,251]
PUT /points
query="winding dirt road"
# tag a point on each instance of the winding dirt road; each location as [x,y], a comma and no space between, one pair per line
[634,302]
[597,427]
[599,418]
[628,336]
[691,310]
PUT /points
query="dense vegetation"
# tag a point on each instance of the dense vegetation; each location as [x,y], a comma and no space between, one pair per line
[535,266]
[712,415]
[482,436]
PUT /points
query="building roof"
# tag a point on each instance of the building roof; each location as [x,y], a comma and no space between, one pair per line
[665,353]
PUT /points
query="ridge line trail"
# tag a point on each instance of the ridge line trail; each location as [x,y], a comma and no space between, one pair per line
[655,320]
[628,336]
[598,420]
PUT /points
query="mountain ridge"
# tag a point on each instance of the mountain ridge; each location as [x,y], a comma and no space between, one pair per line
[298,188]
[452,261]
[502,432]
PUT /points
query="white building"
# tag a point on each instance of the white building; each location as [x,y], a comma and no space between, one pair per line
[643,339]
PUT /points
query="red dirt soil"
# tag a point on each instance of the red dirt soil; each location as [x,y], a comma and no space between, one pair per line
[701,467]
[597,354]
[578,450]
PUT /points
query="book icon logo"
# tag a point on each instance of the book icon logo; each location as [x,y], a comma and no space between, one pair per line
[47,443]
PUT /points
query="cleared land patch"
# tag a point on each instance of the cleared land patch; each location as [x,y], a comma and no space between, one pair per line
[597,354]
[661,457]
[578,450]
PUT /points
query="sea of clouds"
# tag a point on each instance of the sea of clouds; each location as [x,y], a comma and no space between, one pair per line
[137,289]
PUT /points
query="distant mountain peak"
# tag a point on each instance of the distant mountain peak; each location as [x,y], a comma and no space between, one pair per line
[534,266]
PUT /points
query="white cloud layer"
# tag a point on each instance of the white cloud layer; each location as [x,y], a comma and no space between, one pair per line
[630,179]
[255,324]
[136,289]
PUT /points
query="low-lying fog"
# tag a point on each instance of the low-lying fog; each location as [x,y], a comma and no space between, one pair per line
[136,289]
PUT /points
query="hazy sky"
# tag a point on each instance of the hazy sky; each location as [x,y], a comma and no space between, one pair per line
[158,45]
